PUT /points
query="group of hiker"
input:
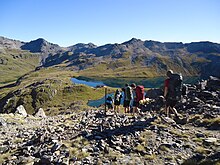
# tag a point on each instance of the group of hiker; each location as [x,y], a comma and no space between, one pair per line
[132,95]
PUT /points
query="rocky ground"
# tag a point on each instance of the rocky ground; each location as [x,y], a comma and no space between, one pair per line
[91,137]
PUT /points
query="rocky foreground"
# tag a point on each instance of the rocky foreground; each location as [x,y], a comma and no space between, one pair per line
[91,137]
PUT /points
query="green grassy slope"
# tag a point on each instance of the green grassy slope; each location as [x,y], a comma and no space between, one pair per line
[15,63]
[142,67]
[50,89]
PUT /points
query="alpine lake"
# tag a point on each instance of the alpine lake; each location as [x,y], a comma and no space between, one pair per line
[120,83]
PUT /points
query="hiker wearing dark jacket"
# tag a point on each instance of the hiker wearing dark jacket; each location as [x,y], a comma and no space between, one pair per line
[170,102]
[117,100]
[127,98]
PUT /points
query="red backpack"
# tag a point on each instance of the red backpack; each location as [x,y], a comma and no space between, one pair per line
[139,92]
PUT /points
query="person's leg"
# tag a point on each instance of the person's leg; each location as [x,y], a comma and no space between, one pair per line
[115,108]
[167,110]
[167,107]
[118,108]
[125,106]
[172,107]
[135,109]
[174,110]
[112,109]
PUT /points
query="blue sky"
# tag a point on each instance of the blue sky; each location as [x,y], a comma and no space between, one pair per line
[67,22]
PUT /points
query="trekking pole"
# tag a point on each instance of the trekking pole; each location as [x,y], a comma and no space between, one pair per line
[105,98]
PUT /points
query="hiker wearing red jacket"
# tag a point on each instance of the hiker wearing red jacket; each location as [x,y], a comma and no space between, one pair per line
[138,94]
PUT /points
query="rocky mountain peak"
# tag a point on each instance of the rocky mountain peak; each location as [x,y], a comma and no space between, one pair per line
[133,41]
[81,47]
[41,41]
[40,45]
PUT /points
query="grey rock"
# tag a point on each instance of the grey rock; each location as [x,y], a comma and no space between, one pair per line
[170,163]
[46,159]
[154,93]
[206,94]
[200,135]
[3,122]
[56,147]
[86,160]
[40,113]
[95,149]
[98,137]
[168,145]
[210,141]
[181,120]
[153,127]
[213,83]
[168,120]
[21,111]
[3,149]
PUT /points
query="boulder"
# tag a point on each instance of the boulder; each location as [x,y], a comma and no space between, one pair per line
[3,149]
[213,83]
[168,120]
[210,141]
[181,119]
[40,113]
[3,122]
[154,93]
[202,85]
[21,111]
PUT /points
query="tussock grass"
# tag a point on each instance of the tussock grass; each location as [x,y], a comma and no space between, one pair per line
[194,118]
[4,157]
[150,157]
[215,122]
[140,148]
[113,155]
[202,150]
[75,147]
[164,148]
[179,134]
[198,140]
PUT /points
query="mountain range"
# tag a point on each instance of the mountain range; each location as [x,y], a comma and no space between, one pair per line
[145,58]
[45,117]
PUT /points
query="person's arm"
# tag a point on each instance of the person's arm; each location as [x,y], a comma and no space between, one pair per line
[166,83]
[165,91]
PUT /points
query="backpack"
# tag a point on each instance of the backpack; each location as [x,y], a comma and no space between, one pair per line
[117,96]
[109,100]
[175,87]
[184,89]
[139,92]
